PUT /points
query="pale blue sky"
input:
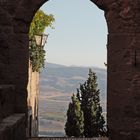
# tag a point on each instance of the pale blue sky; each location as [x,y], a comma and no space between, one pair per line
[80,34]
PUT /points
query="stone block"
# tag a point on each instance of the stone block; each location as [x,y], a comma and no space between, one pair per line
[5,19]
[7,100]
[21,27]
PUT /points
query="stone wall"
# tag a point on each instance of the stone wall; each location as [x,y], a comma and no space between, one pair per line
[13,71]
[123,20]
[7,101]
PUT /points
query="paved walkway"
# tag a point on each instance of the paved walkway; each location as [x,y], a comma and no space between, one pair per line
[45,138]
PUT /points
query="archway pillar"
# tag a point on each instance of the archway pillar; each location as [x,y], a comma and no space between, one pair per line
[122,71]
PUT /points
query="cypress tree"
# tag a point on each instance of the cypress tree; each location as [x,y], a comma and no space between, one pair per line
[88,95]
[75,120]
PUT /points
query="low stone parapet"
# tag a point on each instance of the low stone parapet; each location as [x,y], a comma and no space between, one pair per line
[13,128]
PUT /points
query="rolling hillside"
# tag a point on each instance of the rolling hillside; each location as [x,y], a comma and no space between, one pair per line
[57,83]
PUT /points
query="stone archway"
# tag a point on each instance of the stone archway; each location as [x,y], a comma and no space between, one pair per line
[123,20]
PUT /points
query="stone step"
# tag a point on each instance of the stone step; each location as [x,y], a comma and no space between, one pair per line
[7,100]
[13,127]
[51,138]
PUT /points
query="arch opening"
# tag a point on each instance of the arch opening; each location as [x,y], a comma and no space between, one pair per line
[69,39]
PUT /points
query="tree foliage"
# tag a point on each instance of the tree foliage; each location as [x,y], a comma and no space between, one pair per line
[88,98]
[38,25]
[40,22]
[88,95]
[75,119]
[37,56]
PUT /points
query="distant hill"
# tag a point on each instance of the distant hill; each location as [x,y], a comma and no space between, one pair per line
[66,79]
[57,84]
[52,65]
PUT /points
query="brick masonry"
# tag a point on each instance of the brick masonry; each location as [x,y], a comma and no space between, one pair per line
[123,21]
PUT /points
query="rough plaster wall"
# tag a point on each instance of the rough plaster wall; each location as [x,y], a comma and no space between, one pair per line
[33,92]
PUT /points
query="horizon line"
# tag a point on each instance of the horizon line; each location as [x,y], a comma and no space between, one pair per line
[73,65]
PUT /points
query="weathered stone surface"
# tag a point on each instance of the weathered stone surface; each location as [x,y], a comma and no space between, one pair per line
[7,100]
[13,127]
[5,18]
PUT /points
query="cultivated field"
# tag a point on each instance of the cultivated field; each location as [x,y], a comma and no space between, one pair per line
[57,84]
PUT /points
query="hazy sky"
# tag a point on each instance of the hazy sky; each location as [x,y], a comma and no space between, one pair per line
[80,34]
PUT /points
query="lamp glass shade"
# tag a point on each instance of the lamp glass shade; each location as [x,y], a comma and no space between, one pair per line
[41,39]
[44,39]
[38,39]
